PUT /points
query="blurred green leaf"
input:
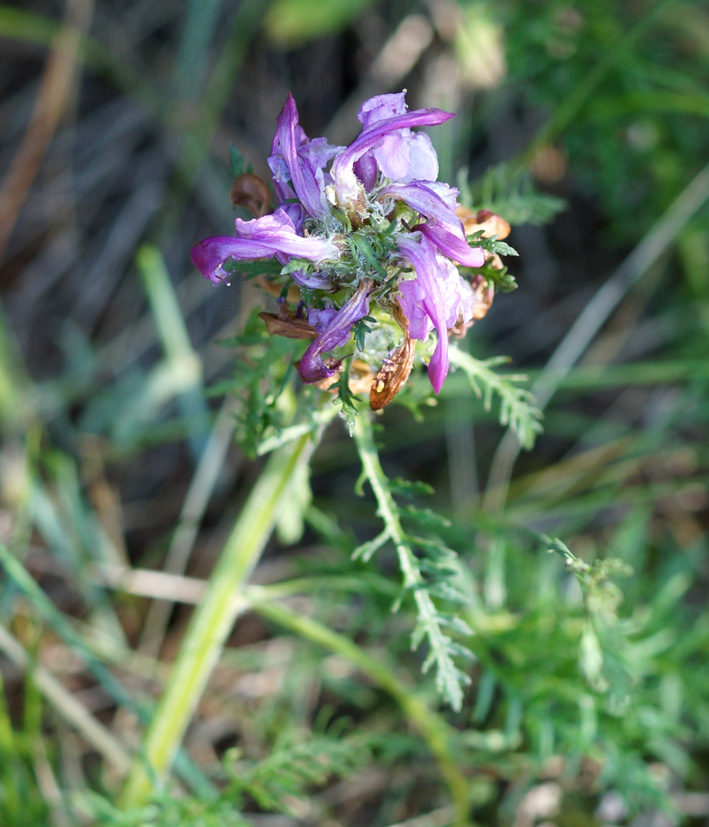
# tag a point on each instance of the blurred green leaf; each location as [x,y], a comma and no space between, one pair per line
[294,22]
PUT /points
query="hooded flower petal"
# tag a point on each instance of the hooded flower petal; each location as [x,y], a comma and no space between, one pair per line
[437,297]
[336,330]
[402,156]
[297,160]
[386,119]
[436,203]
[366,169]
[453,246]
[259,238]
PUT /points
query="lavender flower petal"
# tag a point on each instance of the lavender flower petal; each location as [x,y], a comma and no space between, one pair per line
[366,169]
[314,281]
[381,107]
[295,158]
[346,183]
[453,246]
[426,295]
[335,333]
[259,238]
[437,297]
[435,202]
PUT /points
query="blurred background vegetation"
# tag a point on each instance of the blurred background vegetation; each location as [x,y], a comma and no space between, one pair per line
[120,478]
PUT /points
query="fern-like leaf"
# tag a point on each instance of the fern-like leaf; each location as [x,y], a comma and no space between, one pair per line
[426,569]
[508,192]
[289,773]
[517,407]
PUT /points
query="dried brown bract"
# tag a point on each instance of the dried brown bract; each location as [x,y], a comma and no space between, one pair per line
[251,192]
[393,374]
[484,292]
[484,220]
[289,325]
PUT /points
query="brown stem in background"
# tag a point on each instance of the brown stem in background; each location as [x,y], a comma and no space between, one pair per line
[54,93]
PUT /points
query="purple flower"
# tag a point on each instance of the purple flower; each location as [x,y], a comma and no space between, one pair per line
[336,331]
[299,161]
[259,238]
[387,132]
[385,183]
[437,298]
[436,202]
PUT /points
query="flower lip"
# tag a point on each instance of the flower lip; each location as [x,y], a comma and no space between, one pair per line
[259,238]
[444,227]
[435,298]
[453,246]
[334,334]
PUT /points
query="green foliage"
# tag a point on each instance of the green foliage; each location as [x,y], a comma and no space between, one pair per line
[562,672]
[21,801]
[296,21]
[623,85]
[491,244]
[583,674]
[346,400]
[284,779]
[261,384]
[517,408]
[361,329]
[281,782]
[509,193]
[165,811]
[425,563]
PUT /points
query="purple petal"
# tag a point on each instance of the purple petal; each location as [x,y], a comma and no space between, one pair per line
[437,297]
[421,197]
[295,158]
[321,319]
[453,246]
[335,333]
[408,156]
[403,156]
[428,297]
[365,168]
[289,137]
[436,203]
[342,168]
[314,281]
[381,107]
[259,238]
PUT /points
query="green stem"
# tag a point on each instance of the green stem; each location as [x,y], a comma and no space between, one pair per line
[413,579]
[373,471]
[432,727]
[213,619]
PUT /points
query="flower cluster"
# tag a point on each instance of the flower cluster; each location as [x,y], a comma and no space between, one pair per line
[371,240]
